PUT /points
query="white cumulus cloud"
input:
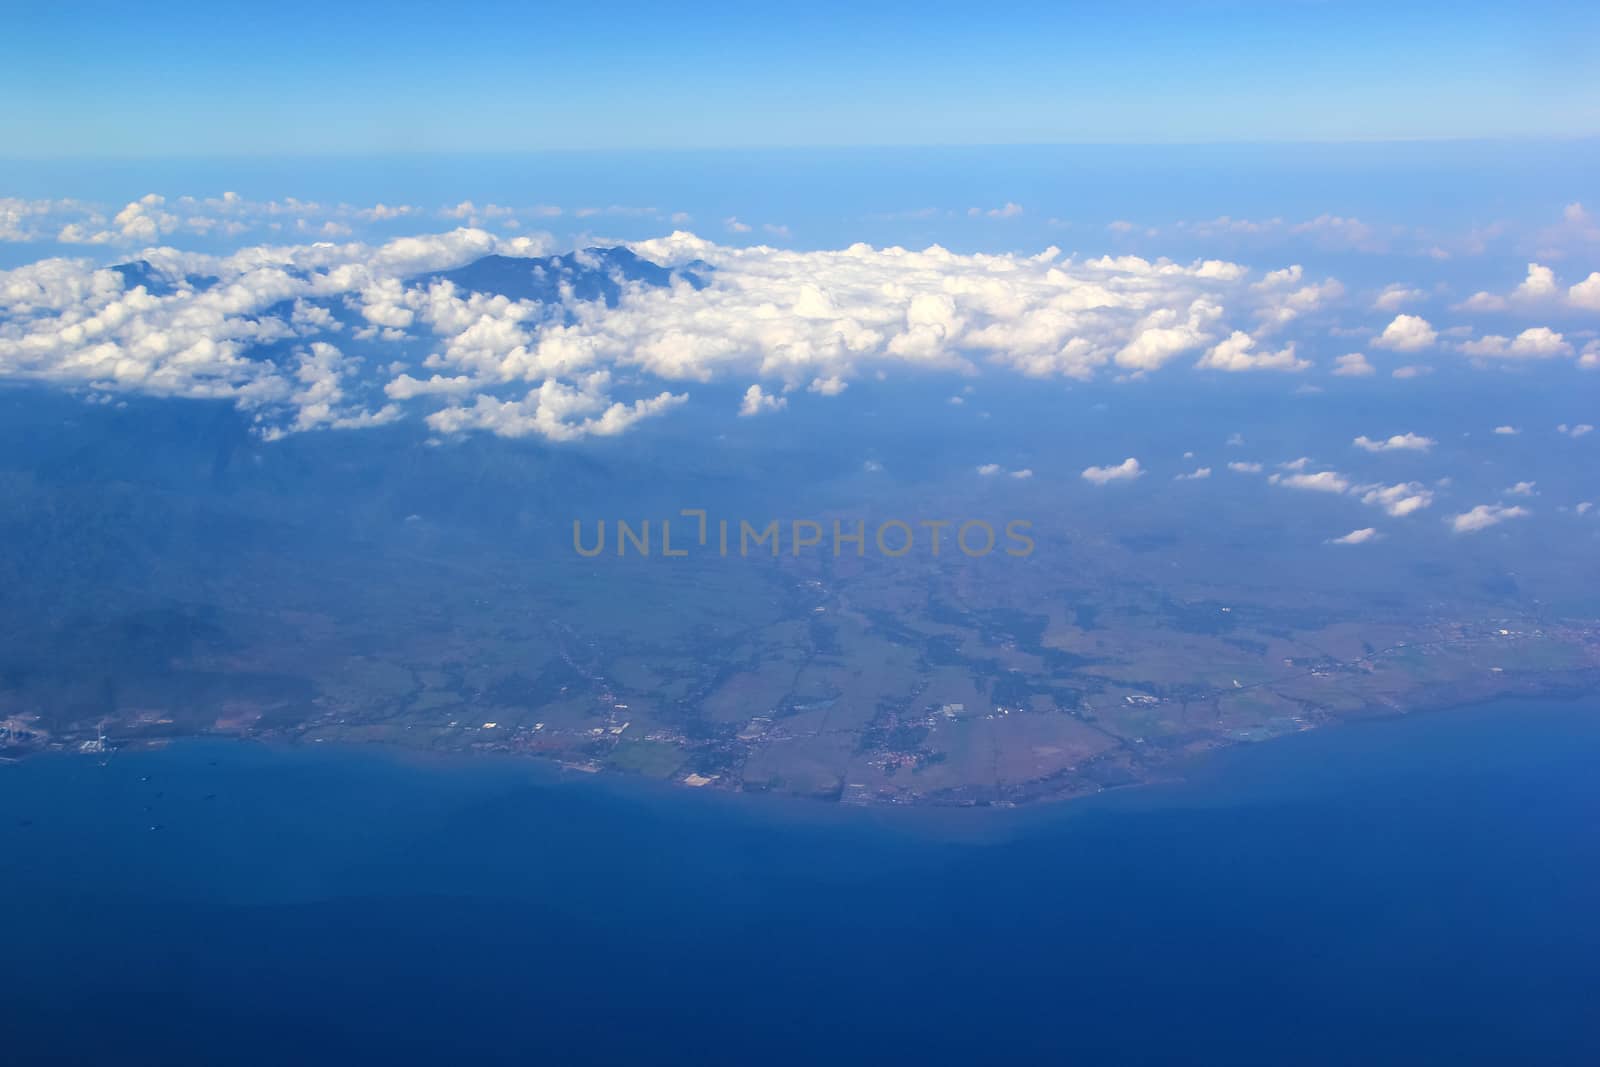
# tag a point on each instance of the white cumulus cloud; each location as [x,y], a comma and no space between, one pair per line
[1399,500]
[1538,342]
[756,402]
[1394,297]
[1127,470]
[1237,353]
[1353,365]
[1321,481]
[1407,333]
[1484,516]
[1400,442]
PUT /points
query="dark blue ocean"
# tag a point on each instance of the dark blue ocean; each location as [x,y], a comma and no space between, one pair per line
[1422,890]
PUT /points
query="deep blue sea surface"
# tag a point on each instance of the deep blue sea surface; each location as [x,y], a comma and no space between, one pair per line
[1421,890]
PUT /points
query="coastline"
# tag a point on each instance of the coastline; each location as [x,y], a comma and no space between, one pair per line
[1159,765]
[1189,775]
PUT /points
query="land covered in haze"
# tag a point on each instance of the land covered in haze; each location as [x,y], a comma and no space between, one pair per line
[1179,563]
[175,591]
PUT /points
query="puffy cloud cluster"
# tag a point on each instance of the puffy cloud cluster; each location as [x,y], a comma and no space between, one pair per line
[38,220]
[1397,501]
[1540,289]
[817,320]
[1538,342]
[473,215]
[791,320]
[796,316]
[201,331]
[1293,298]
[554,410]
[1238,353]
[782,323]
[318,396]
[154,217]
[756,402]
[55,285]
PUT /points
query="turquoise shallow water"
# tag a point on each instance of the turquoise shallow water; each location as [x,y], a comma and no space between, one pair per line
[1418,890]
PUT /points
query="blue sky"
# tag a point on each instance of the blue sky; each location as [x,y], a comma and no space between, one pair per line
[1319,196]
[299,78]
